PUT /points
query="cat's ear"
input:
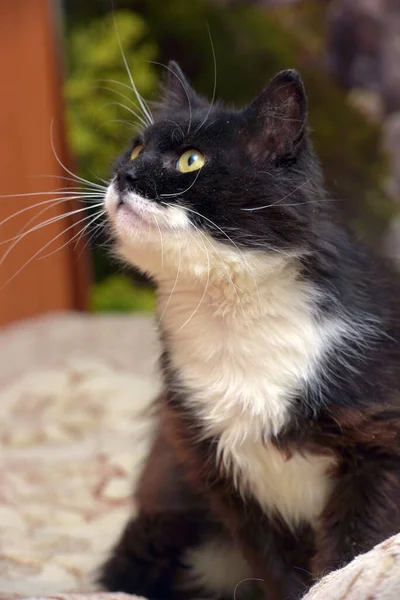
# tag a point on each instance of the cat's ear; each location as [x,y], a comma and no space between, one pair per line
[178,92]
[278,117]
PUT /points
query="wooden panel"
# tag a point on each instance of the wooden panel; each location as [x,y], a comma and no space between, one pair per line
[30,100]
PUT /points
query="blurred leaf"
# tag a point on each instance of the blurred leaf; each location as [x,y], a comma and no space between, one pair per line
[118,293]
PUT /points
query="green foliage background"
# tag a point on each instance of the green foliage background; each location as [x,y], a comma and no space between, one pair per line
[251,44]
[98,87]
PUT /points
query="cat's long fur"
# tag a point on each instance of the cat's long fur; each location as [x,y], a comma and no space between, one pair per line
[277,455]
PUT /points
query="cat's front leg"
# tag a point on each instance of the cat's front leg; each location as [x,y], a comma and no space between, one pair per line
[149,558]
[362,512]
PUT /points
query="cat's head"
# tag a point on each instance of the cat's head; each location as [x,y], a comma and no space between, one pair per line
[204,183]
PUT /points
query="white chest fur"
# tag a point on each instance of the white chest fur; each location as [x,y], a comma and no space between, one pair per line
[242,375]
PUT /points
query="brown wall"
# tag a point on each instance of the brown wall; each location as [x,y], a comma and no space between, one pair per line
[30,99]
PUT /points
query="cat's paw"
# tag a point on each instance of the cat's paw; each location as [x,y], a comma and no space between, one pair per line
[133,575]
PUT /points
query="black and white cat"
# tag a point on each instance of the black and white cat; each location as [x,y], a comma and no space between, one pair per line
[278,448]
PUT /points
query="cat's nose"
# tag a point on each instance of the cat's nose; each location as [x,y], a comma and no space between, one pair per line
[126,179]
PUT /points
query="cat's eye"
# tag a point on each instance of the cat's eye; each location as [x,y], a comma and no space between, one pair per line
[191,160]
[136,151]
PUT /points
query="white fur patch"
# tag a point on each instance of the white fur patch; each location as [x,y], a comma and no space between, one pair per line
[243,337]
[297,488]
[217,566]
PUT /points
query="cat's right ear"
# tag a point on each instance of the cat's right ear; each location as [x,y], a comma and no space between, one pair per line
[278,117]
[177,91]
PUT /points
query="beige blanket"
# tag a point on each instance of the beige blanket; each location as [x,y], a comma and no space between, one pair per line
[73,395]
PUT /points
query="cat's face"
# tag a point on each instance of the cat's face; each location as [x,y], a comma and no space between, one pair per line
[204,182]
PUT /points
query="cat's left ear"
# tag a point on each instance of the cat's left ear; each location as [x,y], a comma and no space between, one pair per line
[278,117]
[178,93]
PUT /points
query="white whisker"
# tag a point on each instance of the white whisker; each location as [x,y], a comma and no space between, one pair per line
[215,82]
[48,222]
[125,85]
[80,234]
[280,200]
[242,581]
[52,193]
[161,240]
[176,279]
[178,127]
[135,114]
[63,232]
[75,177]
[130,124]
[143,105]
[91,236]
[110,89]
[49,204]
[184,89]
[202,297]
[184,191]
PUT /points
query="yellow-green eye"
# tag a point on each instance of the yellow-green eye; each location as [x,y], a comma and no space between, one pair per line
[191,160]
[136,151]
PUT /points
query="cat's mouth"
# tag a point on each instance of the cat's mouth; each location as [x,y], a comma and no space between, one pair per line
[135,217]
[129,210]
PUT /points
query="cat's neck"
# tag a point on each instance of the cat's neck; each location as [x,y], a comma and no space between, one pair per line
[272,289]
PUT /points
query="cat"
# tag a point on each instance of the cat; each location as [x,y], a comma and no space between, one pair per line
[277,451]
